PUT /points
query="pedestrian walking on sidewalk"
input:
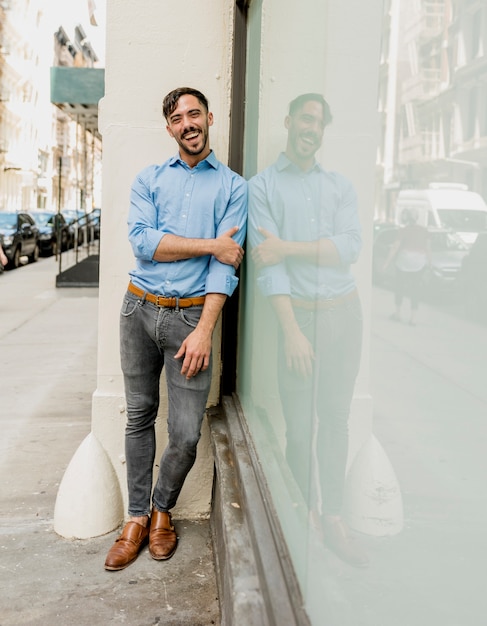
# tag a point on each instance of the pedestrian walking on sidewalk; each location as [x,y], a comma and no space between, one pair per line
[411,256]
[187,224]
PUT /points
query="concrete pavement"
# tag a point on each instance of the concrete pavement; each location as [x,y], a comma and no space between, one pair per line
[48,346]
[429,391]
[430,409]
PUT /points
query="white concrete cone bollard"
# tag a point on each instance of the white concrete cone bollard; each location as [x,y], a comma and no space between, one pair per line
[372,499]
[89,502]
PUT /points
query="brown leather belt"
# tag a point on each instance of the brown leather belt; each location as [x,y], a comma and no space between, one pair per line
[173,303]
[331,303]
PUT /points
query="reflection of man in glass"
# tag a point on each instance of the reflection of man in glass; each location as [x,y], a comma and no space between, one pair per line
[305,231]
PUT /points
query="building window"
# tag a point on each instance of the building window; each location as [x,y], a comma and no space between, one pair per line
[477,43]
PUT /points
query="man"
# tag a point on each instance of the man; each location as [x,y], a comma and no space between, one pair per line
[187,223]
[305,232]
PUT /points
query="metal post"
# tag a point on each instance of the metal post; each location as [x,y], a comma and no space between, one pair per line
[59,193]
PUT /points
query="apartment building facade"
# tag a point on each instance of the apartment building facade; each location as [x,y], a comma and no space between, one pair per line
[48,158]
[432,97]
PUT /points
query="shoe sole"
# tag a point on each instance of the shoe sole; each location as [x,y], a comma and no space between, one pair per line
[111,568]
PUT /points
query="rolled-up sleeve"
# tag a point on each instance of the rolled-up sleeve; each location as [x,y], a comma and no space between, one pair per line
[272,280]
[348,238]
[142,220]
[221,277]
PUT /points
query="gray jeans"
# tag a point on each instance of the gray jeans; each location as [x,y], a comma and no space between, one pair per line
[150,336]
[326,396]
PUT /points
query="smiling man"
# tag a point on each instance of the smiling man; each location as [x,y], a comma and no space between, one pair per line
[305,234]
[187,224]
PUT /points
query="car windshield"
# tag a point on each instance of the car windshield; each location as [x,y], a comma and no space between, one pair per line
[44,218]
[8,220]
[446,241]
[463,220]
[70,216]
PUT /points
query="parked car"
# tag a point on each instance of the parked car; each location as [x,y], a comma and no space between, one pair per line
[95,217]
[20,236]
[91,221]
[448,249]
[2,268]
[447,252]
[472,279]
[446,205]
[52,229]
[85,226]
[380,226]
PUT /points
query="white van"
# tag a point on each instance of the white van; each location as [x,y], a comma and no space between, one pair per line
[445,205]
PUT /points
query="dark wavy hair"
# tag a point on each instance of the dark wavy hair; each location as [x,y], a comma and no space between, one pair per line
[170,102]
[301,100]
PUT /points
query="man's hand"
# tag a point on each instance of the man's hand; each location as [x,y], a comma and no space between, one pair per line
[227,250]
[196,349]
[270,251]
[299,353]
[223,248]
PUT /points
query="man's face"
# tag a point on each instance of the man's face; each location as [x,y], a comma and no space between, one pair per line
[188,124]
[305,131]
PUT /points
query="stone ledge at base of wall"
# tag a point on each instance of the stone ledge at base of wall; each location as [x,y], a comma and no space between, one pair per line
[256,580]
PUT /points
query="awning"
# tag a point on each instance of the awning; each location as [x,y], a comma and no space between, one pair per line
[77,91]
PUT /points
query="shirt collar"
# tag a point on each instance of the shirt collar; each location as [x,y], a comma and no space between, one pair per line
[210,159]
[284,162]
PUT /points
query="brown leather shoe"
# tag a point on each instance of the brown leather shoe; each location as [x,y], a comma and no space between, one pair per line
[163,540]
[127,547]
[338,538]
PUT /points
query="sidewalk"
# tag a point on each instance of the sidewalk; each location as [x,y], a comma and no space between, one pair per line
[429,391]
[48,343]
[429,396]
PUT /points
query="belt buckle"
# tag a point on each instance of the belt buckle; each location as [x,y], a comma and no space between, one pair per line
[160,300]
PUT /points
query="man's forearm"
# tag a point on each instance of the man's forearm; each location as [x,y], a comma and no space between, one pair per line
[224,248]
[323,251]
[196,348]
[273,250]
[211,310]
[175,248]
[285,313]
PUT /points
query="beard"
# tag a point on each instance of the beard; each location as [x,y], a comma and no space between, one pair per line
[305,145]
[196,148]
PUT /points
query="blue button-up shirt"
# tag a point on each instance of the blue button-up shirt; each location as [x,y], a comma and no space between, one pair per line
[305,206]
[201,202]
